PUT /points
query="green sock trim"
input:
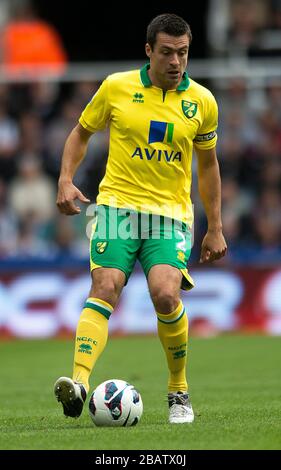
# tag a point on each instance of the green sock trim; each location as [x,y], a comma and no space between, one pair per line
[173,321]
[97,308]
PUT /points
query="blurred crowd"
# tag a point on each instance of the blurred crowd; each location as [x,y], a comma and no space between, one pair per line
[244,28]
[249,152]
[36,118]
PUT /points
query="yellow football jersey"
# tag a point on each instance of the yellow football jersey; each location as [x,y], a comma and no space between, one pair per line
[152,134]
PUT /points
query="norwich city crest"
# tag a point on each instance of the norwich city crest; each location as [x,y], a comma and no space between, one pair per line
[101,247]
[189,108]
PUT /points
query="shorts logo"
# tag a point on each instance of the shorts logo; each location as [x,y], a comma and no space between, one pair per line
[189,108]
[161,132]
[181,256]
[101,247]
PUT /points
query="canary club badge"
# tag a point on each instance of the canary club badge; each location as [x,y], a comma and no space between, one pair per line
[189,108]
[101,247]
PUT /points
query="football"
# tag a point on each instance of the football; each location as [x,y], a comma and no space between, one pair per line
[115,403]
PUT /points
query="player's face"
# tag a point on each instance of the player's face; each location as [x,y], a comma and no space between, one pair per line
[168,60]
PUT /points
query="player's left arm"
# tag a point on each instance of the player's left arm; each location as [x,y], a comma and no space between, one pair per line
[209,183]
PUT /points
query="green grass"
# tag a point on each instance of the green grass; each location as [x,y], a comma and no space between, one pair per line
[235,386]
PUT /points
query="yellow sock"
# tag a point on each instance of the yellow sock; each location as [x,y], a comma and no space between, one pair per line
[91,338]
[173,333]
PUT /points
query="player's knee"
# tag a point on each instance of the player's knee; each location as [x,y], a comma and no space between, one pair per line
[165,300]
[107,292]
[107,287]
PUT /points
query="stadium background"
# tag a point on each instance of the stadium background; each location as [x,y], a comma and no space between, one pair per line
[44,256]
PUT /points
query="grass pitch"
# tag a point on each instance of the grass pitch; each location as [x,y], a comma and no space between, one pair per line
[235,386]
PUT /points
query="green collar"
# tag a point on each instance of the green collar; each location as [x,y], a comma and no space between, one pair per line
[184,84]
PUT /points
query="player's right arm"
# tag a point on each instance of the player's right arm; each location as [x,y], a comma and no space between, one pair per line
[73,154]
[95,117]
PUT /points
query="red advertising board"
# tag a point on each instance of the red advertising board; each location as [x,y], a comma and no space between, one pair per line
[46,303]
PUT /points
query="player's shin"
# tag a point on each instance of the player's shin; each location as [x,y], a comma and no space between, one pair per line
[173,333]
[91,338]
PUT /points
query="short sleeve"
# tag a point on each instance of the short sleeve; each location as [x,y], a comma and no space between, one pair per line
[96,115]
[206,137]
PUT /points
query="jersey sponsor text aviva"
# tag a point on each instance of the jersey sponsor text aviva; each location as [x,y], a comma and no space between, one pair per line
[159,132]
[156,154]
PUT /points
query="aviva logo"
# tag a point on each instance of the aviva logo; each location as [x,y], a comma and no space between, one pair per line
[161,132]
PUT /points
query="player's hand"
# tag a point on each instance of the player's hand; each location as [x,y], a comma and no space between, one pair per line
[67,194]
[213,246]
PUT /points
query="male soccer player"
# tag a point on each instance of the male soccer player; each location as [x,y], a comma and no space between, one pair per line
[156,115]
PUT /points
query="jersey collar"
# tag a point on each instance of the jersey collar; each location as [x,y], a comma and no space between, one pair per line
[184,84]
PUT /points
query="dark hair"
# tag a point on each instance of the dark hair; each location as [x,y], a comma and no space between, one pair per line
[168,23]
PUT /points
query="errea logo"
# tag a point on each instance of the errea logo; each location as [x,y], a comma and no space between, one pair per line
[138,98]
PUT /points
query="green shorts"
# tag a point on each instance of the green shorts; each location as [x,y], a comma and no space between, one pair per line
[121,236]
